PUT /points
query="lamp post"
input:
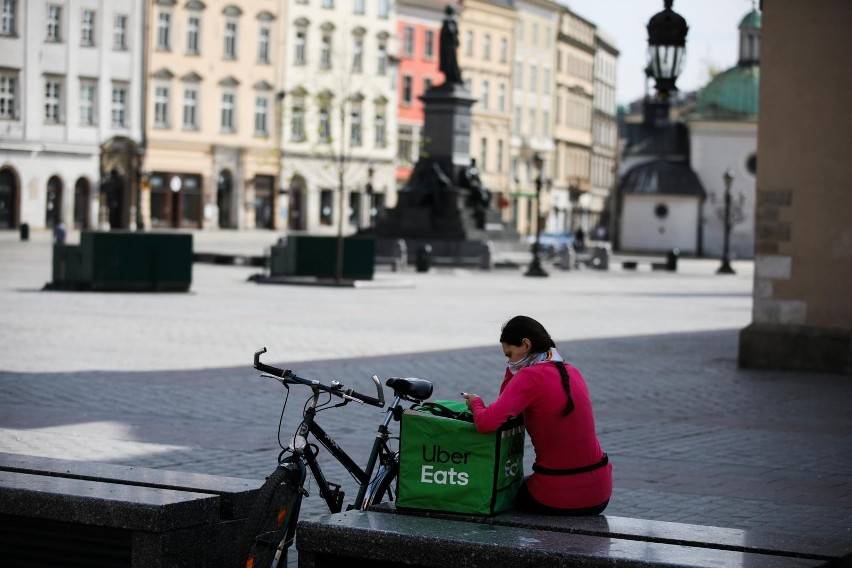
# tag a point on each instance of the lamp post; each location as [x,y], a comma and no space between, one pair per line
[725,268]
[535,268]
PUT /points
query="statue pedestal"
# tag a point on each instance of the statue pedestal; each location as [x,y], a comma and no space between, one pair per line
[446,127]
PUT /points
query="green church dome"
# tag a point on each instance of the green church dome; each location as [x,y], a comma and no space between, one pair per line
[752,20]
[734,94]
[731,94]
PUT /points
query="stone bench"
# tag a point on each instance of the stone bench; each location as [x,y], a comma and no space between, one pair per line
[384,536]
[53,510]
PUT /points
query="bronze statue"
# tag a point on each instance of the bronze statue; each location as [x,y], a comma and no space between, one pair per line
[448,63]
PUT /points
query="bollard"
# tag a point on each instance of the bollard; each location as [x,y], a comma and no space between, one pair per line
[424,258]
[25,231]
[671,259]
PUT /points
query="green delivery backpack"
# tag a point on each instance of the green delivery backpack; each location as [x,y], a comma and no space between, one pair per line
[446,465]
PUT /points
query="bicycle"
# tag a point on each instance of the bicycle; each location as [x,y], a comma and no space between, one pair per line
[271,524]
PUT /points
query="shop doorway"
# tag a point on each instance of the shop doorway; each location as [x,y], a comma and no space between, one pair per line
[225,199]
[8,198]
[296,218]
[263,202]
[53,206]
[82,198]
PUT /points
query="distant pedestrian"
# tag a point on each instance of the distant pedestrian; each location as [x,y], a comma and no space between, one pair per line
[580,240]
[59,233]
[571,474]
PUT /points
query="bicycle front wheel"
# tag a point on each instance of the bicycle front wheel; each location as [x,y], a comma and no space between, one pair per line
[271,524]
[382,486]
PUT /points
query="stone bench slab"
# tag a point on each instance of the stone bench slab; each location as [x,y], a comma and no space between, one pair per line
[104,504]
[236,494]
[662,531]
[372,536]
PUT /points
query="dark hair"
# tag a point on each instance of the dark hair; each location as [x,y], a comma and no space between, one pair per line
[522,327]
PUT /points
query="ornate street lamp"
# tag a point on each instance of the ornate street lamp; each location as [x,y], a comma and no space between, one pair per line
[666,52]
[666,48]
[725,268]
[535,268]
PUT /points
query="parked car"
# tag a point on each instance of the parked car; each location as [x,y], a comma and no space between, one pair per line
[552,243]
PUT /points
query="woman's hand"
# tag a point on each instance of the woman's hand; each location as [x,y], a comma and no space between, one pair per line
[468,398]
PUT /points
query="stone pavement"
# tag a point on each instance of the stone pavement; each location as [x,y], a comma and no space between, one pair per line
[165,380]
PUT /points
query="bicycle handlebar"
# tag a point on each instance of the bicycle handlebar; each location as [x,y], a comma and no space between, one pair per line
[287,376]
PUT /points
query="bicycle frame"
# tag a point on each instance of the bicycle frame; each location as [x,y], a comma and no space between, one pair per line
[330,492]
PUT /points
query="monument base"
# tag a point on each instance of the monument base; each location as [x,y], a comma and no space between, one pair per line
[791,347]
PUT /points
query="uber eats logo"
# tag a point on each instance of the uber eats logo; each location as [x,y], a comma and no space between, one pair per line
[439,474]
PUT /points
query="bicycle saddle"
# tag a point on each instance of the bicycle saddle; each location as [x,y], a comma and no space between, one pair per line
[410,388]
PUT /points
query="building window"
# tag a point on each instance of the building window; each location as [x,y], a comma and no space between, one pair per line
[324,127]
[193,32]
[486,47]
[8,22]
[429,45]
[519,74]
[54,23]
[532,122]
[190,108]
[261,116]
[53,101]
[407,90]
[355,138]
[516,122]
[87,102]
[468,43]
[300,52]
[380,127]
[501,97]
[499,163]
[427,84]
[162,95]
[119,106]
[359,6]
[87,28]
[546,86]
[119,32]
[230,40]
[384,8]
[164,24]
[8,92]
[227,116]
[328,4]
[485,94]
[533,78]
[357,53]
[405,145]
[325,51]
[504,50]
[297,124]
[545,123]
[408,41]
[382,66]
[263,45]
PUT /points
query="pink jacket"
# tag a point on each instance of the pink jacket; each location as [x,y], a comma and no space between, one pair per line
[560,442]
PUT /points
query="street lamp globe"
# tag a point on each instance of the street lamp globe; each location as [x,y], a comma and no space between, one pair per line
[666,48]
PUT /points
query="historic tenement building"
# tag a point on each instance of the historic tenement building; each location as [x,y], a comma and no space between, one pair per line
[70,83]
